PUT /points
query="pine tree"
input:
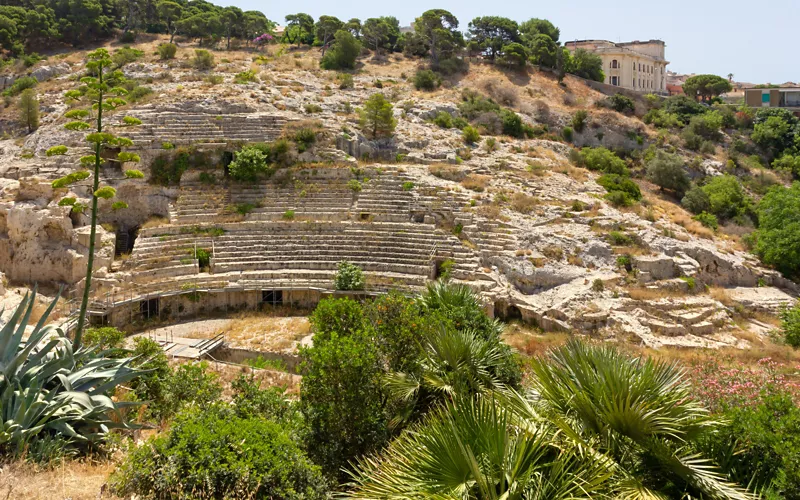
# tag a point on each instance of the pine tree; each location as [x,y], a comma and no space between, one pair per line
[377,117]
[29,110]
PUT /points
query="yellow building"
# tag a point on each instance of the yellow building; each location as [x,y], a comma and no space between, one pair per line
[639,66]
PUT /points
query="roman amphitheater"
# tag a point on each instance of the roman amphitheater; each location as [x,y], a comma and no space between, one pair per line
[516,222]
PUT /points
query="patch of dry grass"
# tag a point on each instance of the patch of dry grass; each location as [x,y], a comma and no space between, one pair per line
[447,172]
[476,182]
[638,293]
[76,480]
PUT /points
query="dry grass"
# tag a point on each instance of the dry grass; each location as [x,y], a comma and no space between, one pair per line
[155,221]
[647,294]
[476,182]
[721,295]
[447,172]
[524,203]
[75,480]
[267,331]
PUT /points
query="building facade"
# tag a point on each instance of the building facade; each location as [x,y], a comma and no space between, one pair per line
[782,97]
[639,66]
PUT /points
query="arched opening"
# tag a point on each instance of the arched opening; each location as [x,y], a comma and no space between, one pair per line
[125,240]
[614,64]
[507,312]
[227,159]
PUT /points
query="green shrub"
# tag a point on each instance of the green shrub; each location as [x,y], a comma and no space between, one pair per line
[666,171]
[661,119]
[696,200]
[203,60]
[760,445]
[616,182]
[598,285]
[566,133]
[211,452]
[343,53]
[106,337]
[345,81]
[214,79]
[206,178]
[619,198]
[354,185]
[726,197]
[790,325]
[778,230]
[474,105]
[245,77]
[512,123]
[408,186]
[579,120]
[618,238]
[304,138]
[471,135]
[443,119]
[621,103]
[426,79]
[203,258]
[288,215]
[249,163]
[138,93]
[20,84]
[707,125]
[343,401]
[343,316]
[189,384]
[601,159]
[167,51]
[348,276]
[707,219]
[125,55]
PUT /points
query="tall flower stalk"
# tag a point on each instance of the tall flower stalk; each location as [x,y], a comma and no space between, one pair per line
[101,89]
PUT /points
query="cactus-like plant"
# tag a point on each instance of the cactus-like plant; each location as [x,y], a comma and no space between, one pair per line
[102,90]
[48,387]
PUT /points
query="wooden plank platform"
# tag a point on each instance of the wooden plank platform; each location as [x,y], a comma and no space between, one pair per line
[182,347]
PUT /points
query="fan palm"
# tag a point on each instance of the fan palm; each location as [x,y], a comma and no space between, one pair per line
[454,363]
[461,305]
[474,448]
[640,412]
[46,387]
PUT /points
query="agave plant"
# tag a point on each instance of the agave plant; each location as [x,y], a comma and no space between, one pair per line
[475,448]
[639,412]
[47,388]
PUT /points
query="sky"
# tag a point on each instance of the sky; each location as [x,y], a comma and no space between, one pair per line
[754,40]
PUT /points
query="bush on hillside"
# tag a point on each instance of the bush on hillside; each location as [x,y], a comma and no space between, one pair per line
[726,197]
[343,53]
[760,445]
[426,79]
[345,81]
[790,325]
[471,135]
[105,337]
[621,103]
[615,183]
[167,51]
[667,172]
[344,316]
[203,60]
[250,163]
[512,124]
[211,452]
[348,277]
[20,84]
[696,200]
[342,400]
[778,233]
[579,120]
[708,220]
[601,159]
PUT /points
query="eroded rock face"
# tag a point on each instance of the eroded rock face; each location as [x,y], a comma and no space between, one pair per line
[42,246]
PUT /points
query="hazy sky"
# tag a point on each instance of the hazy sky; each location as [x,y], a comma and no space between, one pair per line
[755,40]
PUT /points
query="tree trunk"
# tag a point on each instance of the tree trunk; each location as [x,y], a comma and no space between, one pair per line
[171,35]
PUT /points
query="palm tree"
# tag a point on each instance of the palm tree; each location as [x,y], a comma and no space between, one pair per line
[639,411]
[476,448]
[454,363]
[461,305]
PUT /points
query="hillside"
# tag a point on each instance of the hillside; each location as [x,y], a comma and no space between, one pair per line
[519,219]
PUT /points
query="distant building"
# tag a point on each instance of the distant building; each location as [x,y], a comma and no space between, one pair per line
[278,31]
[639,66]
[673,89]
[783,97]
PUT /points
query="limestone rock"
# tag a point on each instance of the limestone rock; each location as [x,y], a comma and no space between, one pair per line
[43,73]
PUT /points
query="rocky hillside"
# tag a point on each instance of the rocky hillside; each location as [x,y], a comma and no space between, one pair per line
[521,218]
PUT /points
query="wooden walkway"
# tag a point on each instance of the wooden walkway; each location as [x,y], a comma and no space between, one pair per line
[182,347]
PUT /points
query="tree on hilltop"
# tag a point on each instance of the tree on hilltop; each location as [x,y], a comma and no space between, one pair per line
[438,29]
[491,33]
[532,27]
[325,29]
[299,28]
[706,86]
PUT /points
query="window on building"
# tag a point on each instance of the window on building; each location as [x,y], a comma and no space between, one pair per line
[614,80]
[614,64]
